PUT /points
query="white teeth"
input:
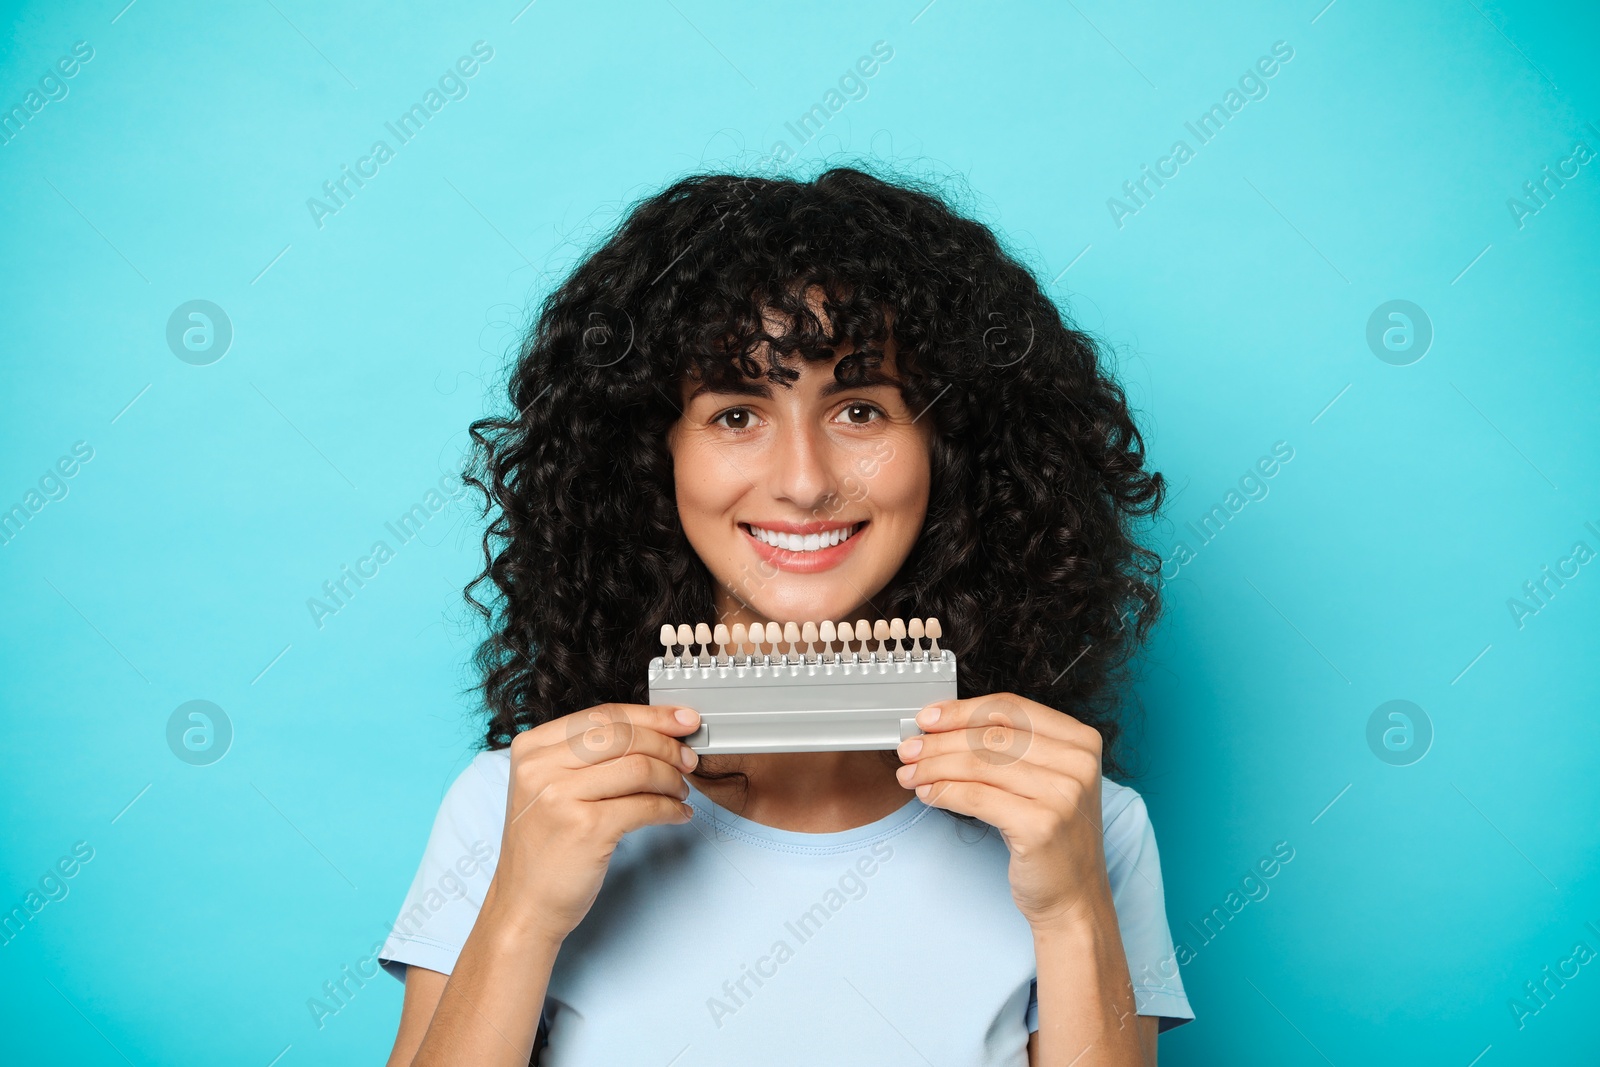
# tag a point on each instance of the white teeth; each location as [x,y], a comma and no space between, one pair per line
[803,542]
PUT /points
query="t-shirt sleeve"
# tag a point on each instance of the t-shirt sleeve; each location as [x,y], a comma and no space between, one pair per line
[457,865]
[1133,865]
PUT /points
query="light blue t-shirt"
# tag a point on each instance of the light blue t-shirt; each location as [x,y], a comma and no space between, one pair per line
[724,941]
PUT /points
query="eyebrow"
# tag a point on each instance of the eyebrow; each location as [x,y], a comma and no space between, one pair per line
[761,388]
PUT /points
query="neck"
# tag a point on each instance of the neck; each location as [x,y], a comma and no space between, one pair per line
[813,792]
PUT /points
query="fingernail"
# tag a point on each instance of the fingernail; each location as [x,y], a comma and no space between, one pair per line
[905,773]
[687,716]
[910,747]
[688,757]
[928,716]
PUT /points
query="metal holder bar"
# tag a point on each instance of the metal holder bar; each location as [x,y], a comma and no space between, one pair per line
[804,707]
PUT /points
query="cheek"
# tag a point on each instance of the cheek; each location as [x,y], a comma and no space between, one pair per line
[898,486]
[704,483]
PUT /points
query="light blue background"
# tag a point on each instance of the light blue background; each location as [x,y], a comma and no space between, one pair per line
[1379,566]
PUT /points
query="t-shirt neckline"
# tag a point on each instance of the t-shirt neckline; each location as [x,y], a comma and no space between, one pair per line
[798,840]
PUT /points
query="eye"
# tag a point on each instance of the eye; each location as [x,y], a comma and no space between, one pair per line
[735,419]
[860,413]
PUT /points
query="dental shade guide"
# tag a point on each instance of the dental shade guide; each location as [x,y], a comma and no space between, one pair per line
[803,695]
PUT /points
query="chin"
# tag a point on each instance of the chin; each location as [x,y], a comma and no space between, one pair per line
[814,601]
[812,609]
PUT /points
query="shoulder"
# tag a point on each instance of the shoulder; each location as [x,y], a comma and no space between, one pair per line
[457,864]
[1120,803]
[477,796]
[488,773]
[1133,864]
[1130,838]
[491,768]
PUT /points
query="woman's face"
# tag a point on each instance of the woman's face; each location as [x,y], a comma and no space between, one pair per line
[802,499]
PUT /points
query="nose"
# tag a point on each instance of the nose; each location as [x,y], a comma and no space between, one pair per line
[802,467]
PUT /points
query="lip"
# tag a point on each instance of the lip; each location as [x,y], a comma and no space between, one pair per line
[803,527]
[804,562]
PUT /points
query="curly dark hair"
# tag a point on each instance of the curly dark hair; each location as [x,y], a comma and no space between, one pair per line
[1028,554]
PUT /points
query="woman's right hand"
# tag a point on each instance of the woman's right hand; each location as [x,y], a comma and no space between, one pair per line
[578,783]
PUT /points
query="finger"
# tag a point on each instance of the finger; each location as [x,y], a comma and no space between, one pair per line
[1018,777]
[998,744]
[596,742]
[622,815]
[662,718]
[1007,709]
[635,772]
[608,731]
[620,777]
[996,807]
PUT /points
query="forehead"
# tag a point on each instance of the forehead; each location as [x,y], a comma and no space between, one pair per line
[750,371]
[818,375]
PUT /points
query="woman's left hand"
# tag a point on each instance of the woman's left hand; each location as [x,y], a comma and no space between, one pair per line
[1031,772]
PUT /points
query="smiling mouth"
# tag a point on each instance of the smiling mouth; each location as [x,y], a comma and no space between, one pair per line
[802,543]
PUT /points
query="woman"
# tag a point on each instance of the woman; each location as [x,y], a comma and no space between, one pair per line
[744,363]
